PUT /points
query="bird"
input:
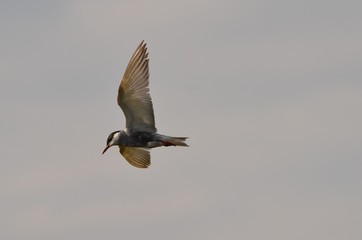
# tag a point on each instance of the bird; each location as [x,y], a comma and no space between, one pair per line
[140,133]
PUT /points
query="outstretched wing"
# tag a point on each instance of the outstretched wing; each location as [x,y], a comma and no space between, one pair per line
[138,157]
[133,93]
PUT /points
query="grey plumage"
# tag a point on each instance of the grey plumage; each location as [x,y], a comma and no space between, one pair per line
[135,101]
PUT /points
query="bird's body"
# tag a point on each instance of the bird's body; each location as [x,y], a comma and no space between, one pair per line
[144,139]
[134,99]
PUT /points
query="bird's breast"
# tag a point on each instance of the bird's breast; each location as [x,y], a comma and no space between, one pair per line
[139,139]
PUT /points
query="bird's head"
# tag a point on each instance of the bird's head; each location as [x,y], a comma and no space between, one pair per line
[112,140]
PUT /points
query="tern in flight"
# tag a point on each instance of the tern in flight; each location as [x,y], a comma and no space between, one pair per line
[140,134]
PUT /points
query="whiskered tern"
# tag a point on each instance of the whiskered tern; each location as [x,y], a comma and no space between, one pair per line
[140,134]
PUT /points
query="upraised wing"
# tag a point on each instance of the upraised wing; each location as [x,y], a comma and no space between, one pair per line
[133,93]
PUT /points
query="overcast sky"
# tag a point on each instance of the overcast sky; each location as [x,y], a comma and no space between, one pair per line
[269,92]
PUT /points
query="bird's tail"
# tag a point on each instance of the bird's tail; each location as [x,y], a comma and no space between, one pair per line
[173,141]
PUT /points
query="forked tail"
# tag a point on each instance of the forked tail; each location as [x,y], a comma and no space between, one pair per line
[173,141]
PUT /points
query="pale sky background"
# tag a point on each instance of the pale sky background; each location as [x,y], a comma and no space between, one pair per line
[269,92]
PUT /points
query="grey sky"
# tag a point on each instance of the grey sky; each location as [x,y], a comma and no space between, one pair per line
[269,92]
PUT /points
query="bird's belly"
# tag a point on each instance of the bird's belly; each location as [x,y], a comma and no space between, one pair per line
[154,144]
[141,139]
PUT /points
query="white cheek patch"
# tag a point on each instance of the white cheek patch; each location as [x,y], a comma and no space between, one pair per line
[115,138]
